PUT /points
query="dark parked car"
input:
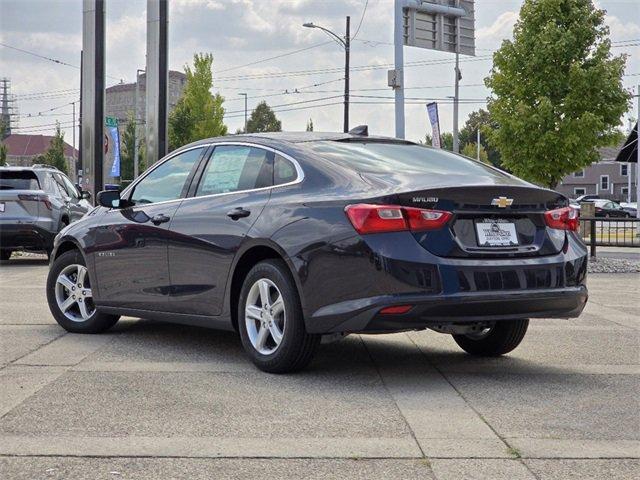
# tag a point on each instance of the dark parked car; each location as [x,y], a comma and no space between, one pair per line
[288,237]
[610,209]
[35,204]
[587,198]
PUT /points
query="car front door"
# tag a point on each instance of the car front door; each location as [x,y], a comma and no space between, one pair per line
[211,225]
[130,243]
[70,197]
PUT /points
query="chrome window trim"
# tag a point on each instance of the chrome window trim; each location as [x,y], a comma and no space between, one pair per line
[299,171]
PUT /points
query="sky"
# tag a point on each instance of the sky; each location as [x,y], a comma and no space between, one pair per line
[244,34]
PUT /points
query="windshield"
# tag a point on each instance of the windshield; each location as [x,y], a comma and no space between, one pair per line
[377,157]
[18,180]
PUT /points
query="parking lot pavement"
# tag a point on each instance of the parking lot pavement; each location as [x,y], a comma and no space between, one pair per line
[152,400]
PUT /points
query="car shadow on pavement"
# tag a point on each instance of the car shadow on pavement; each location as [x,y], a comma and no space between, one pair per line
[25,261]
[147,340]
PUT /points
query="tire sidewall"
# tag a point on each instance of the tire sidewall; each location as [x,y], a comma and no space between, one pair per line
[68,258]
[294,324]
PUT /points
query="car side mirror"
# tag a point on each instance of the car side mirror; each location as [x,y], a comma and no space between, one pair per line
[85,194]
[109,198]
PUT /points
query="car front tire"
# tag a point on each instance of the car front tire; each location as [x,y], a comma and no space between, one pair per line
[270,320]
[70,296]
[502,338]
[5,254]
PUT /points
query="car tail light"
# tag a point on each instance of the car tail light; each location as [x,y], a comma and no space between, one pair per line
[566,218]
[367,218]
[34,197]
[396,310]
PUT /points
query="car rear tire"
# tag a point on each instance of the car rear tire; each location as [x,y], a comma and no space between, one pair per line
[5,254]
[70,297]
[502,338]
[270,320]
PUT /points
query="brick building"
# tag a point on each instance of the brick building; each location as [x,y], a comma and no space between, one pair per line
[23,150]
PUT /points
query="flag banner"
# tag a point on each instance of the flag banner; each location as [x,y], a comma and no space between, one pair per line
[432,111]
[115,141]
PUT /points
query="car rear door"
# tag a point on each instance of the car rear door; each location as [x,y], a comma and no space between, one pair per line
[130,244]
[209,227]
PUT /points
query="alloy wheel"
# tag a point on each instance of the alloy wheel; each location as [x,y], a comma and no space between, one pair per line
[73,293]
[265,316]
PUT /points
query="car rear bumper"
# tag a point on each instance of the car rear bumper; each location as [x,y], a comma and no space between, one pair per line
[363,315]
[25,235]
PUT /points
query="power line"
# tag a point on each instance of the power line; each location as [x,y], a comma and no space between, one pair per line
[275,57]
[364,11]
[54,60]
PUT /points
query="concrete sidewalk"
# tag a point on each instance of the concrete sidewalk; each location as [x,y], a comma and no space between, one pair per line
[150,400]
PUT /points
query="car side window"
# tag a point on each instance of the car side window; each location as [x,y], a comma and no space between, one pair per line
[284,171]
[71,188]
[233,168]
[61,186]
[51,186]
[165,182]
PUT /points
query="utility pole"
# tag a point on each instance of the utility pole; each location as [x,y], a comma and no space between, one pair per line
[478,142]
[346,44]
[347,48]
[456,94]
[398,48]
[75,160]
[245,111]
[136,167]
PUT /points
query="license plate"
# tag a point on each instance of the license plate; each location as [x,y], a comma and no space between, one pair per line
[1,207]
[496,234]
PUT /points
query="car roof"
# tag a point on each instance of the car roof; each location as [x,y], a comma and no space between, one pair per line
[17,168]
[291,138]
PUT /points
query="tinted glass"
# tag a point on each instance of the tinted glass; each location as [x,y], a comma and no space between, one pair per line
[18,180]
[71,188]
[233,168]
[402,158]
[283,171]
[61,186]
[166,181]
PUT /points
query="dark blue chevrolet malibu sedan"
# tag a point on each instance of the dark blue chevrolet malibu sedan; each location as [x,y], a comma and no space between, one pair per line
[288,237]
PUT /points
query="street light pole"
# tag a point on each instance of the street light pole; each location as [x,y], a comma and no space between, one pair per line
[136,167]
[347,48]
[346,44]
[245,111]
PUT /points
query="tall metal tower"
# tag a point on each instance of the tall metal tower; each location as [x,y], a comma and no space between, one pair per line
[8,113]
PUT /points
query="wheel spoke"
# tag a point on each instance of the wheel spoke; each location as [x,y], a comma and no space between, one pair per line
[252,312]
[67,304]
[65,282]
[83,310]
[87,293]
[82,273]
[264,293]
[277,306]
[263,333]
[276,333]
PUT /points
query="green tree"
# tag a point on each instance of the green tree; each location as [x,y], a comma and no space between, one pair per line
[471,150]
[469,134]
[310,125]
[127,151]
[558,93]
[263,120]
[198,114]
[446,140]
[3,154]
[54,155]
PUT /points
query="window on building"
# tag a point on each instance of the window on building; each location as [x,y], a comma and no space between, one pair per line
[604,182]
[579,173]
[579,191]
[625,190]
[624,169]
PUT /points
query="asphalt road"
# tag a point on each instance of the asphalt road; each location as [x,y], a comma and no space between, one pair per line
[150,400]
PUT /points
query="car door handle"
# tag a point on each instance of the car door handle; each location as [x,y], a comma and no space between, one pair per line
[160,218]
[237,213]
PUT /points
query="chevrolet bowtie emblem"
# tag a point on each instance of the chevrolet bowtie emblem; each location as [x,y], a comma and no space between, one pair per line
[502,202]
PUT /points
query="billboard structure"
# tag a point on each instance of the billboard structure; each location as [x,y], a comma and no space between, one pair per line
[444,25]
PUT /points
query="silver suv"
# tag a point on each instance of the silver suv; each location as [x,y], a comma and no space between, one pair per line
[35,204]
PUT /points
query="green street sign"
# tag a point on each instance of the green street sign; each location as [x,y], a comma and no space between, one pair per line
[111,122]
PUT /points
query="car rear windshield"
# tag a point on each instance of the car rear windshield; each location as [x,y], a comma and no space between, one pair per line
[380,157]
[18,180]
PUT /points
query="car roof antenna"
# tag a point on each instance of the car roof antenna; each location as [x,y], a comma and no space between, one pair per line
[361,130]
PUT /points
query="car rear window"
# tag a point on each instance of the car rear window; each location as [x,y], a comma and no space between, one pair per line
[380,157]
[18,180]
